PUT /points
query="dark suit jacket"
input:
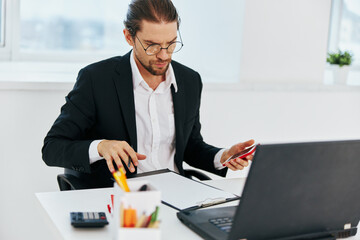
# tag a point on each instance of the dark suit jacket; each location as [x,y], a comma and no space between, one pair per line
[101,106]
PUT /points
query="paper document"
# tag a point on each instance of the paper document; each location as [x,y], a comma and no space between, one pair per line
[181,192]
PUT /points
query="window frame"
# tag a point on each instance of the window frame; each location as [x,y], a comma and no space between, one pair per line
[2,24]
[6,49]
[334,26]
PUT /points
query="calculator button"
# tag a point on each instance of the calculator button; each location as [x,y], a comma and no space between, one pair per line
[91,215]
[96,215]
[85,215]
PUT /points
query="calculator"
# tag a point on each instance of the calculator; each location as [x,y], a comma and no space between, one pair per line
[88,219]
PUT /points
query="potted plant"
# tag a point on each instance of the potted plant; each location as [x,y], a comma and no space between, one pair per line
[341,62]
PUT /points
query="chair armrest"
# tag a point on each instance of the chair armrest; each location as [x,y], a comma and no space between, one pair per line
[191,173]
[70,182]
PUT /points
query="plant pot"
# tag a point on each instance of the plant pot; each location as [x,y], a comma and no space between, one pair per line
[340,74]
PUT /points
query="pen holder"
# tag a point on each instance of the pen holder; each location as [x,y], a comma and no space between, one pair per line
[136,208]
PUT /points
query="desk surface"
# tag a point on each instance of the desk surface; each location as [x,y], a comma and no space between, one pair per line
[58,205]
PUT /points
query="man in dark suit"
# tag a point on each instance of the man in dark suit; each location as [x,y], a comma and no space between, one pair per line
[139,111]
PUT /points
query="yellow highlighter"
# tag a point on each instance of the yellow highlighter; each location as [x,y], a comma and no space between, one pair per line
[123,180]
[120,178]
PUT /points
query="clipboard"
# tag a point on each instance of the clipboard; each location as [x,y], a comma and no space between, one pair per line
[182,193]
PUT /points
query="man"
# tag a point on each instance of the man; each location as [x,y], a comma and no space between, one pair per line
[139,111]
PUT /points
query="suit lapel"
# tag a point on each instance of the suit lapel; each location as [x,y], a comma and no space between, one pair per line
[179,114]
[124,87]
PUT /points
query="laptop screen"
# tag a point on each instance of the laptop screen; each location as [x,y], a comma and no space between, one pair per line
[300,188]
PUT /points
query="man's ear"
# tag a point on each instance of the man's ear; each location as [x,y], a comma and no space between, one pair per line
[128,37]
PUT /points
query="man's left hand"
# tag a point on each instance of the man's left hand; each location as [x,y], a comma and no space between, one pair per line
[238,163]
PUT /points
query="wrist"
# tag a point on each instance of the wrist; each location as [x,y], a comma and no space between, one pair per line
[99,147]
[93,151]
[224,156]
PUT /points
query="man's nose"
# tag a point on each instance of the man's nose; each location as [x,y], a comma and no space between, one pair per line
[163,54]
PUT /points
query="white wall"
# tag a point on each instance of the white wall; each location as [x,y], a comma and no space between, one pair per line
[279,40]
[25,119]
[279,116]
[285,41]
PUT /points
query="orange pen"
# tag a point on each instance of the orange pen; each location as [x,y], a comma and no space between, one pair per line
[130,217]
[126,218]
[133,218]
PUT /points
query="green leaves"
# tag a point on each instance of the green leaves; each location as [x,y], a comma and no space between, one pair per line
[340,58]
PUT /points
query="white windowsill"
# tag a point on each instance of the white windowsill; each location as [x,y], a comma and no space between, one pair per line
[61,76]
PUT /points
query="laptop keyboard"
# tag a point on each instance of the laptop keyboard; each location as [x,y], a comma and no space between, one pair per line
[223,223]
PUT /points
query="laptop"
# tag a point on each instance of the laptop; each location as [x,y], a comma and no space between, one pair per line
[293,191]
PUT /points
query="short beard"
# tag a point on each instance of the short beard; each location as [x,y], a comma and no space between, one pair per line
[157,72]
[153,71]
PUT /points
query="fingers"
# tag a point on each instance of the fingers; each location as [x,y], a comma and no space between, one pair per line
[119,152]
[249,142]
[237,164]
[117,160]
[242,162]
[141,156]
[229,165]
[109,162]
[126,159]
[242,146]
[129,157]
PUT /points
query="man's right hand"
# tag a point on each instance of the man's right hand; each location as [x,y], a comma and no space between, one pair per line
[113,150]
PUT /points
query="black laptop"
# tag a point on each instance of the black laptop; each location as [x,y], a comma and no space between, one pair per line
[293,191]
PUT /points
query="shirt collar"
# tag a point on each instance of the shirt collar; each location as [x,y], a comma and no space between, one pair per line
[138,79]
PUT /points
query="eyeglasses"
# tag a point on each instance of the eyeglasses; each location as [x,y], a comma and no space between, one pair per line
[155,48]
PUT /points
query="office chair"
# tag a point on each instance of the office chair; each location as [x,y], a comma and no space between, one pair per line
[69,181]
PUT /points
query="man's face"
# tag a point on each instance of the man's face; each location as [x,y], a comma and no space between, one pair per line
[154,33]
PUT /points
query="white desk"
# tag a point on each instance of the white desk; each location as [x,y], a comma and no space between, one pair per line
[58,206]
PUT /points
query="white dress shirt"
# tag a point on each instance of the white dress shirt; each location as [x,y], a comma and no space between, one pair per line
[155,123]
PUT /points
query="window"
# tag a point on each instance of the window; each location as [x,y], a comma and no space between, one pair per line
[54,27]
[72,27]
[91,30]
[67,25]
[345,28]
[2,23]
